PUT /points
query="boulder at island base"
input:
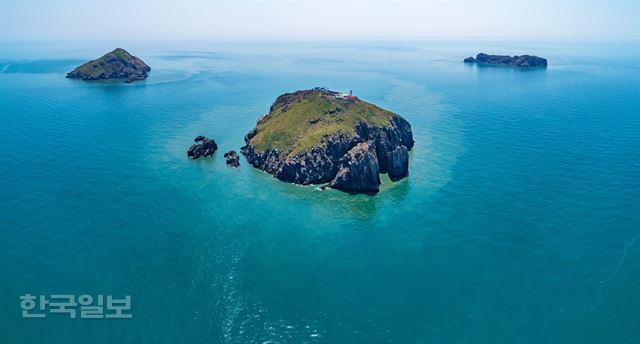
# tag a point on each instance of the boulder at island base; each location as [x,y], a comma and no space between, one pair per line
[308,136]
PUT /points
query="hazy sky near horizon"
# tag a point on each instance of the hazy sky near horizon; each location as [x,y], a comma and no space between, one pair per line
[315,19]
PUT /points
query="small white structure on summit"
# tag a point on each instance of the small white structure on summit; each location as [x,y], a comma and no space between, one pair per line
[347,96]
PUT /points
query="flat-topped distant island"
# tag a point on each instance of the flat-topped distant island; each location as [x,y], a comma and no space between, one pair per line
[523,61]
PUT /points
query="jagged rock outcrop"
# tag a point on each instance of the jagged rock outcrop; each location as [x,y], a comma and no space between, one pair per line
[296,118]
[360,172]
[398,163]
[117,64]
[523,61]
[202,148]
[233,159]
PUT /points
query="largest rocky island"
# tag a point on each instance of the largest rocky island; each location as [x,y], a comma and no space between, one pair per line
[320,136]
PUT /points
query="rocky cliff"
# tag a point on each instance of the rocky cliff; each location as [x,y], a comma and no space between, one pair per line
[360,170]
[320,136]
[118,64]
[524,61]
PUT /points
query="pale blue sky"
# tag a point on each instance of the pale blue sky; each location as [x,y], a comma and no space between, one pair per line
[348,19]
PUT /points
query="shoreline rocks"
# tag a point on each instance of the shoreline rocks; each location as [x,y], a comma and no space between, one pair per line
[203,147]
[523,61]
[233,159]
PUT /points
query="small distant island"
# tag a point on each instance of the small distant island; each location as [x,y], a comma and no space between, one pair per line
[524,61]
[117,64]
[320,136]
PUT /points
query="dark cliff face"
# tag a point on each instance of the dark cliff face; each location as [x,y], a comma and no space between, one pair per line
[118,64]
[387,139]
[360,171]
[317,165]
[344,161]
[524,61]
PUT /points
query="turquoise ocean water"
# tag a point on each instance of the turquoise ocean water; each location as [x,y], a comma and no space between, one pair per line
[519,222]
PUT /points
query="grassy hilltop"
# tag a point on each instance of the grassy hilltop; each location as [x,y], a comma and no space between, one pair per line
[298,121]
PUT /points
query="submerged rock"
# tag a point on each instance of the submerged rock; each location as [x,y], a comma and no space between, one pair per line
[233,159]
[524,61]
[118,64]
[203,147]
[307,138]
